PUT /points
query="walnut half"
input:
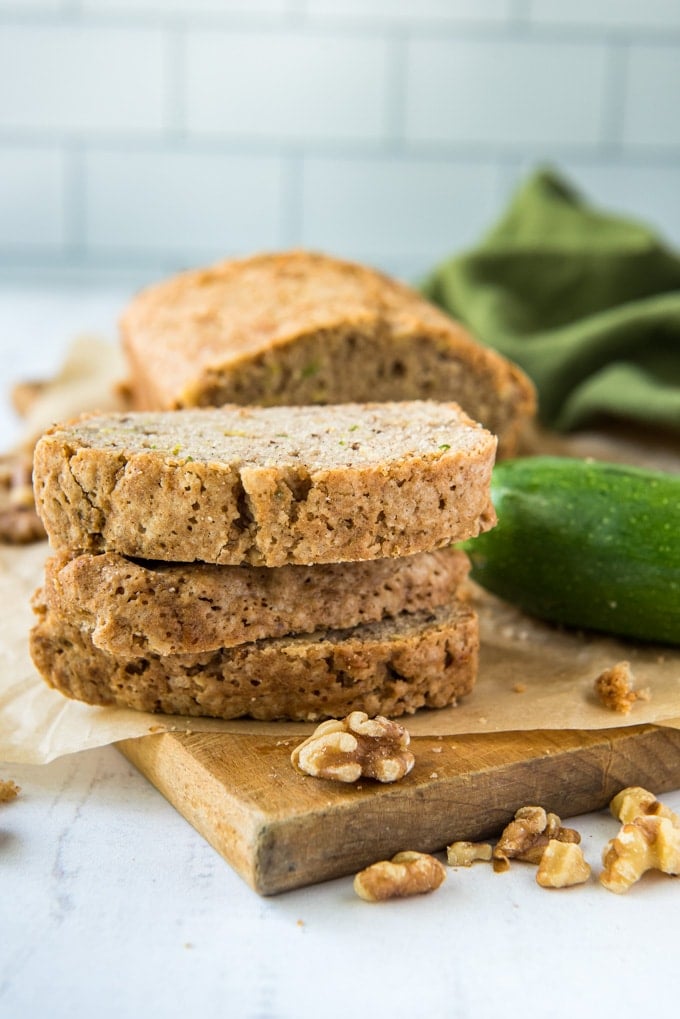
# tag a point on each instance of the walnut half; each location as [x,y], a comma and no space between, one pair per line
[347,749]
[407,873]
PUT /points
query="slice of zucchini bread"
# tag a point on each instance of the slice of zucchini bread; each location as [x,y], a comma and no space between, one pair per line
[393,667]
[267,486]
[132,608]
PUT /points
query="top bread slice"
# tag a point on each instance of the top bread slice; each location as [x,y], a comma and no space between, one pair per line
[267,486]
[304,328]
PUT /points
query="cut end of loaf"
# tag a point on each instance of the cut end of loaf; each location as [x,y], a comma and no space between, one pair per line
[300,327]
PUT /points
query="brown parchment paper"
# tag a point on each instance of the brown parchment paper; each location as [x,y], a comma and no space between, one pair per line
[532,675]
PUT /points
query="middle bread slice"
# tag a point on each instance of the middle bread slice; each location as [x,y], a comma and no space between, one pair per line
[132,608]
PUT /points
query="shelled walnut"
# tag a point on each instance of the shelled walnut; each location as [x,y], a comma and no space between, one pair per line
[562,865]
[407,873]
[638,802]
[646,843]
[527,836]
[464,854]
[347,749]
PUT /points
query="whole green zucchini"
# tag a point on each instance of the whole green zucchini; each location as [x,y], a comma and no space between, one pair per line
[585,543]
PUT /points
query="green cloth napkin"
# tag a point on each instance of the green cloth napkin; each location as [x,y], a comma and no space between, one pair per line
[588,304]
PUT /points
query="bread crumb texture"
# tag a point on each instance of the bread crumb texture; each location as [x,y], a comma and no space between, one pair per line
[175,608]
[392,667]
[267,486]
[615,688]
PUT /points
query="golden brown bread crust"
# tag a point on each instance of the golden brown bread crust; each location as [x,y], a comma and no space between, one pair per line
[301,327]
[267,486]
[131,608]
[389,668]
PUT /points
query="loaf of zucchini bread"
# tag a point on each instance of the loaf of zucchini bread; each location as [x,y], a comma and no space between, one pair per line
[304,328]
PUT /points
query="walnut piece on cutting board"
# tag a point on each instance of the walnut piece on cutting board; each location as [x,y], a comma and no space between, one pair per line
[347,749]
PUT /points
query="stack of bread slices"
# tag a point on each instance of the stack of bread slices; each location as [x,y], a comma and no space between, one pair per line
[281,562]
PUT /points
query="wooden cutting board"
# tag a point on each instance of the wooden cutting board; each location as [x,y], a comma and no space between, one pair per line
[281,830]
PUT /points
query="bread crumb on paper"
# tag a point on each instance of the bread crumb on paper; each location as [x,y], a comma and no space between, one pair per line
[615,688]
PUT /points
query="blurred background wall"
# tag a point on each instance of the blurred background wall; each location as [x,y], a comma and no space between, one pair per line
[138,137]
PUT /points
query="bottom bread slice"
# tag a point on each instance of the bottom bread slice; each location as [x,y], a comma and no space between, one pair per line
[393,667]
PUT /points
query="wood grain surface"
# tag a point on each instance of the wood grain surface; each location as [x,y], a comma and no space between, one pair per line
[282,830]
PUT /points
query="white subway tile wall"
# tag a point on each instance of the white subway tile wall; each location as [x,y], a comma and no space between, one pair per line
[653,72]
[142,136]
[182,204]
[401,212]
[637,14]
[656,190]
[505,92]
[33,208]
[286,86]
[462,11]
[213,7]
[66,80]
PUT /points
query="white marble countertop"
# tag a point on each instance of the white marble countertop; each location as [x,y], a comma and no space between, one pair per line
[112,905]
